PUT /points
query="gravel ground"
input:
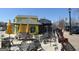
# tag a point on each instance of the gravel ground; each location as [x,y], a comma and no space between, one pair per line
[73,39]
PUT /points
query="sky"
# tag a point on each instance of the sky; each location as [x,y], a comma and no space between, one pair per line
[53,14]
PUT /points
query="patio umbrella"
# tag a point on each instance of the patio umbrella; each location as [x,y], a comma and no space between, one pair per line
[9,28]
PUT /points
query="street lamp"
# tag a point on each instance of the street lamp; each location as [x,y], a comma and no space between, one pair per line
[70,21]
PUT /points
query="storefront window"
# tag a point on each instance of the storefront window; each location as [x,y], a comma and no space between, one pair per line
[32,29]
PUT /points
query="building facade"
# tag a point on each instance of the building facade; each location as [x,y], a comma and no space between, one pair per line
[45,27]
[3,26]
[24,20]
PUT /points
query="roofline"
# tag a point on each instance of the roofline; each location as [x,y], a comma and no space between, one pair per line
[26,16]
[26,23]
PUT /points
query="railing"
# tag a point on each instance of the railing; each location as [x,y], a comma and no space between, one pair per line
[66,45]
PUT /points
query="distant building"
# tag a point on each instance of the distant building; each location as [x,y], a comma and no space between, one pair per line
[74,22]
[3,26]
[24,20]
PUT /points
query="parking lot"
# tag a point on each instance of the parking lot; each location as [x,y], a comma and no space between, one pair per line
[73,39]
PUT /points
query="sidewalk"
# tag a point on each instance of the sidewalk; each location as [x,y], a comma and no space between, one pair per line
[53,46]
[73,39]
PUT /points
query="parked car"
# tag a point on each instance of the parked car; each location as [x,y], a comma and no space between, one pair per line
[75,30]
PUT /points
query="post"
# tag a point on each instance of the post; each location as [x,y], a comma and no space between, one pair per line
[70,26]
[9,36]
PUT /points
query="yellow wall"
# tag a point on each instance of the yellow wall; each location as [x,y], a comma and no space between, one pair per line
[24,26]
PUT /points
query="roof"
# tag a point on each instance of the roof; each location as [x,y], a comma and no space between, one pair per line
[26,16]
[28,21]
[44,21]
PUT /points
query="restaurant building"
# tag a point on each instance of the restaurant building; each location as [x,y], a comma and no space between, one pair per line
[24,20]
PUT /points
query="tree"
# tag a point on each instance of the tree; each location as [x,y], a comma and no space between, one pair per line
[9,28]
[61,24]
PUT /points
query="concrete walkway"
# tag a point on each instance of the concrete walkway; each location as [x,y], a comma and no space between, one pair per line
[73,39]
[53,46]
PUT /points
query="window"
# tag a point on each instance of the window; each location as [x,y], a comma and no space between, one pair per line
[32,29]
[1,28]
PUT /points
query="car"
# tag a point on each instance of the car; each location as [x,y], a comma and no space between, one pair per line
[75,30]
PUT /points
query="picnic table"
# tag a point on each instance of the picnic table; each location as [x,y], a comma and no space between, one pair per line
[6,42]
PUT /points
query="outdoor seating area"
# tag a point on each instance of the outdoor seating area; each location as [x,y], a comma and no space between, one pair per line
[28,42]
[23,36]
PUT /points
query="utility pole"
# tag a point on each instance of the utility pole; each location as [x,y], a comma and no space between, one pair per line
[70,26]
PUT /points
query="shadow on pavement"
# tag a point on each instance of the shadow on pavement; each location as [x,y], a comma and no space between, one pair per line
[68,47]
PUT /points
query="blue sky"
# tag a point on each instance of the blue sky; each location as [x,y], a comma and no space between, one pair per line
[52,14]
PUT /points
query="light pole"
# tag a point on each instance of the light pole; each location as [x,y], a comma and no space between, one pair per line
[70,21]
